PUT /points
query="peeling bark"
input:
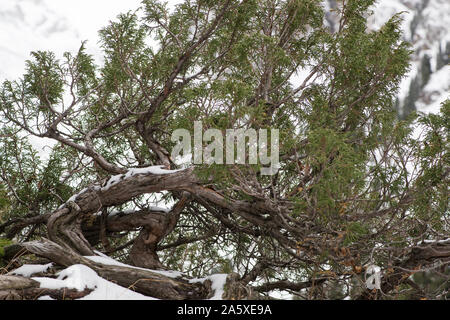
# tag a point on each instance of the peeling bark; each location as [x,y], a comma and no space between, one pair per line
[143,253]
[64,228]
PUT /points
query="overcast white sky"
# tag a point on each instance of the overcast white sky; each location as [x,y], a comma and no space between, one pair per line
[61,25]
[56,25]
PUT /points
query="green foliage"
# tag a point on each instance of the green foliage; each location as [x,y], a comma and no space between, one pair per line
[43,78]
[4,243]
[432,186]
[4,201]
[28,184]
[82,68]
[344,153]
[355,232]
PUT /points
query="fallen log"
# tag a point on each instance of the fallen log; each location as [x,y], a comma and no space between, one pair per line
[155,283]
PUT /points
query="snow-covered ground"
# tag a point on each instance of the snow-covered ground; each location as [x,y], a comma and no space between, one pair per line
[28,270]
[81,277]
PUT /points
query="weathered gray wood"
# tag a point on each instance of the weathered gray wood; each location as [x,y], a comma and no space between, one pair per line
[16,282]
[147,282]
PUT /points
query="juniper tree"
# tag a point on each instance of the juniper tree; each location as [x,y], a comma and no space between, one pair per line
[356,187]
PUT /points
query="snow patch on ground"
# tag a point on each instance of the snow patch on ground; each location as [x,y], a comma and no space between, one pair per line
[29,269]
[81,277]
[156,208]
[131,211]
[218,280]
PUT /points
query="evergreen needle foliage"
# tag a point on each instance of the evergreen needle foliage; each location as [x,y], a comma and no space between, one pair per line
[356,185]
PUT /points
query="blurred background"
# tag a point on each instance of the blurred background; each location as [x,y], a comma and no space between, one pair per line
[61,25]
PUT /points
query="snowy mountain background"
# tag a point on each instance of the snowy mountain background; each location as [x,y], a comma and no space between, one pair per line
[55,25]
[426,25]
[60,26]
